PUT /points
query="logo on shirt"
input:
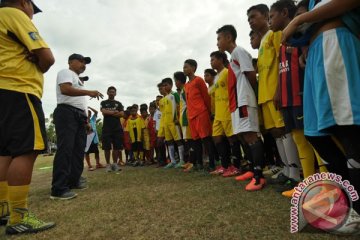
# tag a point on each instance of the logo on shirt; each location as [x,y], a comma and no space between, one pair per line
[34,36]
[284,66]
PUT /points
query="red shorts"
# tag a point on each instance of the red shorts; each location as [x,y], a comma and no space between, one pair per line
[200,126]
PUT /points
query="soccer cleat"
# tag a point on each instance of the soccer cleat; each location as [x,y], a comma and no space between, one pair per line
[28,224]
[4,217]
[255,186]
[231,171]
[108,168]
[288,185]
[288,193]
[272,170]
[189,167]
[170,165]
[218,171]
[246,176]
[281,179]
[65,196]
[186,165]
[115,167]
[180,164]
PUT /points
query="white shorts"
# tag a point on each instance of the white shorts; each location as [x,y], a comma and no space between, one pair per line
[245,119]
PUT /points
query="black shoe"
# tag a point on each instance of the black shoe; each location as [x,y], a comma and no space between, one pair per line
[4,217]
[288,185]
[82,180]
[80,186]
[65,196]
[281,179]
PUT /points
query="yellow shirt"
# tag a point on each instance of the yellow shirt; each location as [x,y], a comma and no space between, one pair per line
[18,36]
[222,111]
[268,65]
[135,128]
[161,109]
[171,103]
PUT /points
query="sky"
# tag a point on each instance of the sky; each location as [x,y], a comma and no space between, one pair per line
[134,44]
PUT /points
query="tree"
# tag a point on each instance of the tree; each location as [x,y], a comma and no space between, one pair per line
[50,133]
[99,126]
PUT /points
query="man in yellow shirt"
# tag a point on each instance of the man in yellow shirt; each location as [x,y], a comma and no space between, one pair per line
[24,57]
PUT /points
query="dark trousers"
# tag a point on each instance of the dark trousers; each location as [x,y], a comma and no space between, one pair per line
[71,142]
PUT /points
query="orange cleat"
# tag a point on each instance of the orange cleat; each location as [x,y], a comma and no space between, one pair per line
[288,193]
[231,171]
[246,176]
[252,186]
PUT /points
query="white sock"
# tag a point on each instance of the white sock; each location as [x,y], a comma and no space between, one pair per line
[292,156]
[181,153]
[281,150]
[172,153]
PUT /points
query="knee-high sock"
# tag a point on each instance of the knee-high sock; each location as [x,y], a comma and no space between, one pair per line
[236,153]
[292,156]
[257,154]
[210,146]
[224,154]
[172,153]
[281,150]
[198,152]
[181,153]
[17,199]
[3,198]
[306,153]
[322,164]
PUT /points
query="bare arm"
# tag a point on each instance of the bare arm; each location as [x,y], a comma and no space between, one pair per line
[44,58]
[94,110]
[251,76]
[68,90]
[330,10]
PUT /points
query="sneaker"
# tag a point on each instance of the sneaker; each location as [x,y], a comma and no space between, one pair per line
[288,185]
[231,171]
[99,165]
[83,179]
[108,168]
[246,176]
[28,224]
[218,171]
[288,193]
[180,164]
[170,165]
[4,217]
[272,170]
[136,163]
[252,186]
[80,186]
[276,175]
[115,167]
[189,167]
[65,196]
[91,168]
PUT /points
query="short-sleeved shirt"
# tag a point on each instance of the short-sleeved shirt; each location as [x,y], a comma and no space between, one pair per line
[18,35]
[221,96]
[171,103]
[183,109]
[69,76]
[211,91]
[135,127]
[291,77]
[240,91]
[111,123]
[268,65]
[157,118]
[197,97]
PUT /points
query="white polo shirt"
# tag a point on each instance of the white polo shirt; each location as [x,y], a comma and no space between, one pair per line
[68,76]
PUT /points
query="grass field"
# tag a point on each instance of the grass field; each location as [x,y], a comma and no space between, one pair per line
[151,203]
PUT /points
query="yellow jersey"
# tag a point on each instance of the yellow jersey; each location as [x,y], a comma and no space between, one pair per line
[135,128]
[221,96]
[18,37]
[171,105]
[268,65]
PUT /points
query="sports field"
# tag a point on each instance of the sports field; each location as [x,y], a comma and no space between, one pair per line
[151,203]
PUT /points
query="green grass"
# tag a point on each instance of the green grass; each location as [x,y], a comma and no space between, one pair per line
[150,203]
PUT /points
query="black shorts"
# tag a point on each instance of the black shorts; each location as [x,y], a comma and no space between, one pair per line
[293,118]
[112,140]
[93,148]
[22,124]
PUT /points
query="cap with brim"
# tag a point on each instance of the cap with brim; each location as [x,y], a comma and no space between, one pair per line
[76,56]
[36,9]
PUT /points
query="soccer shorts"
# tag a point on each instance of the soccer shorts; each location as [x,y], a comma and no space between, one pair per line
[272,118]
[22,124]
[186,133]
[112,140]
[332,82]
[161,132]
[245,119]
[93,148]
[200,126]
[221,128]
[172,132]
[293,118]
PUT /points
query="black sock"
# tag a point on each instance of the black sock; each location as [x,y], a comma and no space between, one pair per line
[257,154]
[210,147]
[225,158]
[236,154]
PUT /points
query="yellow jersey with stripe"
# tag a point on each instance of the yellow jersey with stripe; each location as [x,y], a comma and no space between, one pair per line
[211,91]
[171,105]
[135,128]
[183,109]
[221,96]
[18,37]
[268,65]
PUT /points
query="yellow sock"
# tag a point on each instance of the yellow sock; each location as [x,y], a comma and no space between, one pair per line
[141,155]
[322,166]
[3,198]
[136,155]
[306,152]
[17,199]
